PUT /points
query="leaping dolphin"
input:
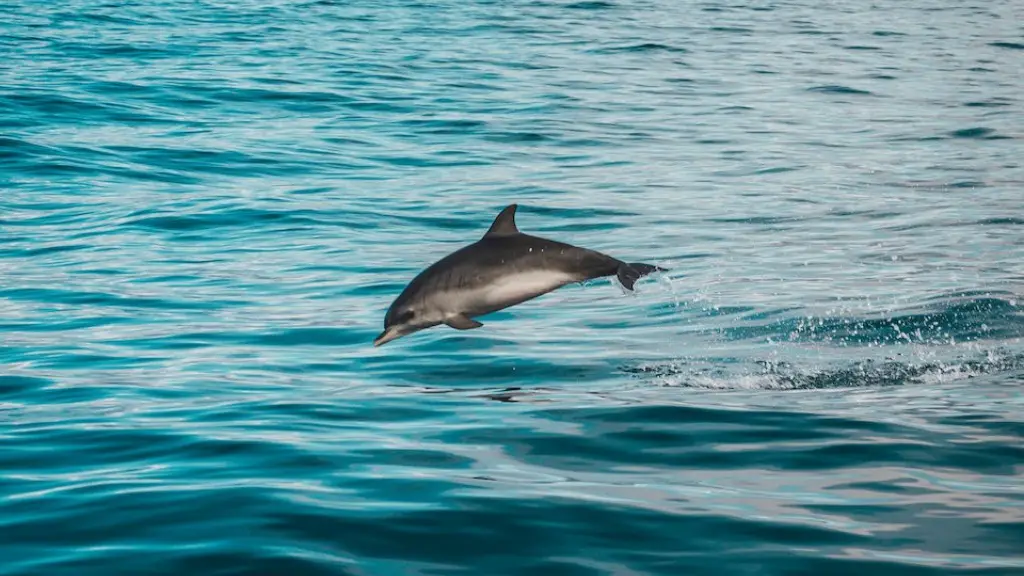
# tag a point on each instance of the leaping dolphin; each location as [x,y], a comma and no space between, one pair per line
[502,269]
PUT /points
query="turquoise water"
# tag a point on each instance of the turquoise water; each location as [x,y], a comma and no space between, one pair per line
[207,206]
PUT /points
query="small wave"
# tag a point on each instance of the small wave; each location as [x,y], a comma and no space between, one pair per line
[1009,45]
[445,126]
[86,298]
[645,47]
[732,29]
[990,103]
[518,137]
[245,217]
[977,132]
[837,89]
[594,5]
[15,385]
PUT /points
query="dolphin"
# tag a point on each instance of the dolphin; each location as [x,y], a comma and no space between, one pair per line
[503,268]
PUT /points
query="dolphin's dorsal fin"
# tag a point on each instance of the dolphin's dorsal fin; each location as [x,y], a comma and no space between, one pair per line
[504,224]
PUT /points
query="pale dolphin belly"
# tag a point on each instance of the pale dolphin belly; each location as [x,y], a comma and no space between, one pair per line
[522,286]
[504,291]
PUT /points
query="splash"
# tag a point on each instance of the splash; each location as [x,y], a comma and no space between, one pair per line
[772,375]
[950,338]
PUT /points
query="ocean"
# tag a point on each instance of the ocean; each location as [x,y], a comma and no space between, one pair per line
[206,208]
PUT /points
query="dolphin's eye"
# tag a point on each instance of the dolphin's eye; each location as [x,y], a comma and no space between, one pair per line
[406,316]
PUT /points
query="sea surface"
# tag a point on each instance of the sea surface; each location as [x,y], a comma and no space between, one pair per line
[206,207]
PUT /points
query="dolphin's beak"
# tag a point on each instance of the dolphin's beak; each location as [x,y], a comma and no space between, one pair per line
[391,333]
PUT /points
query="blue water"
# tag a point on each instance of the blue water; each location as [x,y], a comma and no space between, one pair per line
[207,206]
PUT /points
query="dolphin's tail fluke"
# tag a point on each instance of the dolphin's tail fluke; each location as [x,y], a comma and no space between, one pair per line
[629,273]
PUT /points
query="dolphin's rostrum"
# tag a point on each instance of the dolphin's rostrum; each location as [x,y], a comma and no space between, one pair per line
[502,269]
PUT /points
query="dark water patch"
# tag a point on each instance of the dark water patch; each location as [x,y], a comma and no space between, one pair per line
[426,161]
[584,227]
[1008,45]
[967,185]
[380,288]
[250,451]
[62,397]
[185,340]
[474,222]
[224,218]
[917,138]
[990,103]
[578,143]
[249,561]
[115,50]
[730,420]
[732,29]
[432,535]
[199,160]
[135,510]
[100,17]
[308,337]
[104,445]
[124,89]
[735,109]
[1008,221]
[978,132]
[64,325]
[517,137]
[76,361]
[46,250]
[567,213]
[885,33]
[426,459]
[17,385]
[837,89]
[14,148]
[861,47]
[45,102]
[594,5]
[301,98]
[760,220]
[777,170]
[646,47]
[441,126]
[674,437]
[80,297]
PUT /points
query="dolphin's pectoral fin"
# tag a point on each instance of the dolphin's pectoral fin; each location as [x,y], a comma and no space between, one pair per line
[462,322]
[629,273]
